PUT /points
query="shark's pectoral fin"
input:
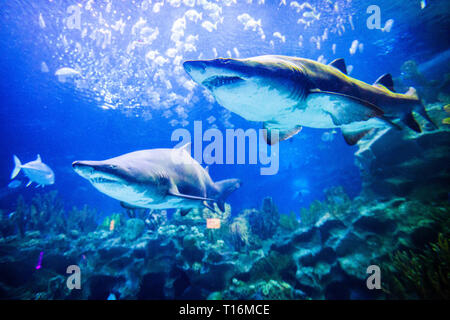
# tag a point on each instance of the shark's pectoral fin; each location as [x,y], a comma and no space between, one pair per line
[352,137]
[273,135]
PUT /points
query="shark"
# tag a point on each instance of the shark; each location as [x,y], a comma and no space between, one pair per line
[36,171]
[287,93]
[157,179]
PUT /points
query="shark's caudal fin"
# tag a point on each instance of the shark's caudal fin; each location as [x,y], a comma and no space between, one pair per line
[225,188]
[420,109]
[17,167]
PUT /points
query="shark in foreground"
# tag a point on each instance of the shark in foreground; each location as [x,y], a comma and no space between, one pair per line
[286,93]
[157,179]
[37,171]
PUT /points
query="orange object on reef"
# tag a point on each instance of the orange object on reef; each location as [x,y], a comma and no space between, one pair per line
[111,225]
[213,223]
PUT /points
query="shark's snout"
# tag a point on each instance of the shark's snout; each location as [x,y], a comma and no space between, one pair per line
[190,66]
[83,168]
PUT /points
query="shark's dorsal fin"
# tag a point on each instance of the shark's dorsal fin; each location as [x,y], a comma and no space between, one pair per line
[339,64]
[386,80]
[272,138]
[38,159]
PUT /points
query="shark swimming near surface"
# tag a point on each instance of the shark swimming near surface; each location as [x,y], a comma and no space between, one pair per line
[157,179]
[37,171]
[286,93]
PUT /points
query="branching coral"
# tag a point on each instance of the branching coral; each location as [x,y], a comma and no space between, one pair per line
[264,222]
[239,232]
[289,221]
[83,220]
[337,204]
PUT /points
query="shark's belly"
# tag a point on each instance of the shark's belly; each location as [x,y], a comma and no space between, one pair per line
[303,115]
[255,104]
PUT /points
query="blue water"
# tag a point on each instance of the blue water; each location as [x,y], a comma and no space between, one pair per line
[64,122]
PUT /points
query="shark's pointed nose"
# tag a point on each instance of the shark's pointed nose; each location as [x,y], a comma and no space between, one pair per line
[82,167]
[192,65]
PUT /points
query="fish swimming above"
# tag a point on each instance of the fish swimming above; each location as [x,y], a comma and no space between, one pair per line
[37,171]
[286,93]
[157,179]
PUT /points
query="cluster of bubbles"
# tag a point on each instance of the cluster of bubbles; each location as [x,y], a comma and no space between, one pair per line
[128,55]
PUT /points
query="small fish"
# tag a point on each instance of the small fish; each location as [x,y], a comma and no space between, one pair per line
[328,136]
[447,108]
[423,4]
[37,171]
[14,184]
[446,121]
[11,215]
[65,73]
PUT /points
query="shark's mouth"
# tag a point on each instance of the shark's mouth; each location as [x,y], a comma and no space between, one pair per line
[219,81]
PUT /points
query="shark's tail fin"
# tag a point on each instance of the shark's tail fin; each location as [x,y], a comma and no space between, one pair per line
[17,167]
[420,109]
[225,188]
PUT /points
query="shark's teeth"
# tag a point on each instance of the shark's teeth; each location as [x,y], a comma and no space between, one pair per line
[102,180]
[218,81]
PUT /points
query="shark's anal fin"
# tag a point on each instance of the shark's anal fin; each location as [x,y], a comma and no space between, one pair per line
[184,212]
[386,81]
[353,137]
[128,206]
[274,135]
[339,64]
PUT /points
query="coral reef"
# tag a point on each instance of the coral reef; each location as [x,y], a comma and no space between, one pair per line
[325,256]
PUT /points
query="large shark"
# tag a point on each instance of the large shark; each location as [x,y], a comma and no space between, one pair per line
[286,93]
[157,179]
